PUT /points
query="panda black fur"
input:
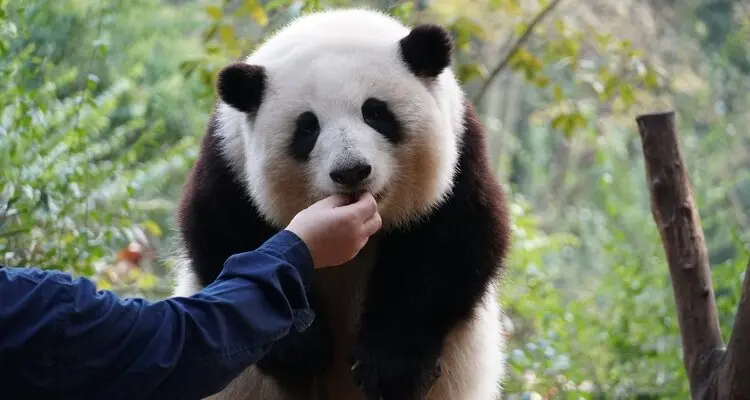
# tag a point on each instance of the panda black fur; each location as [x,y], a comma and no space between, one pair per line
[415,314]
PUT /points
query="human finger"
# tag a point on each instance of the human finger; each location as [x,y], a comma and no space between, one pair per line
[365,206]
[362,244]
[372,224]
[333,201]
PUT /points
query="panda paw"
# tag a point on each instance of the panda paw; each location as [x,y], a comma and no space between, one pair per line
[389,373]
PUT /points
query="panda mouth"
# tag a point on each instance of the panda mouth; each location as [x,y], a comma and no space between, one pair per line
[354,194]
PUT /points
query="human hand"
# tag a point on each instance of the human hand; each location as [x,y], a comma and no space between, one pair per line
[334,230]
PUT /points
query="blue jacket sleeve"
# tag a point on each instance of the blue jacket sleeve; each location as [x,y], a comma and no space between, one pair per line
[60,338]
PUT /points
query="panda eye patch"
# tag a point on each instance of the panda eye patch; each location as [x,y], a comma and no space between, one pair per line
[307,124]
[378,116]
[306,133]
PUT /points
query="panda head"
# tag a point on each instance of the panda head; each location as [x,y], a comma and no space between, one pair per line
[341,102]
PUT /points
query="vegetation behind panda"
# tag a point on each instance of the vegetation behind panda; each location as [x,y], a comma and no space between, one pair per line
[339,102]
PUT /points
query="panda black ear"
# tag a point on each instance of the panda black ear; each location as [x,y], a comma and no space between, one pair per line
[426,50]
[241,86]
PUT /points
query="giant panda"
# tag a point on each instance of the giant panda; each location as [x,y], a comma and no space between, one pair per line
[336,102]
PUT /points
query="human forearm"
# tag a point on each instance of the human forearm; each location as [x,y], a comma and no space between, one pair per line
[139,348]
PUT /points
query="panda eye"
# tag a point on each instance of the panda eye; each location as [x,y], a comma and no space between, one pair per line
[378,116]
[374,110]
[307,124]
[305,136]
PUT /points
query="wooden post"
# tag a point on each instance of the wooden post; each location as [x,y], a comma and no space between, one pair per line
[714,373]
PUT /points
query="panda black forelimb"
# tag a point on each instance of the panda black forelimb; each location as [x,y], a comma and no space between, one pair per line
[297,358]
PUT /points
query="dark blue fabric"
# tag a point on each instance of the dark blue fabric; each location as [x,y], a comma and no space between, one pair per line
[60,338]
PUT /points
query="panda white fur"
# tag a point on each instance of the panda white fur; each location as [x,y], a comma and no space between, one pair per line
[340,101]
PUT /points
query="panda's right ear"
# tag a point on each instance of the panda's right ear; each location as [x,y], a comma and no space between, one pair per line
[241,86]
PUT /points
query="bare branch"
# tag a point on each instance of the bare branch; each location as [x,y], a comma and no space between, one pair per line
[677,219]
[513,50]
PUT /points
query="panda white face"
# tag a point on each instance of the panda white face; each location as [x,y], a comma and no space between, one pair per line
[340,102]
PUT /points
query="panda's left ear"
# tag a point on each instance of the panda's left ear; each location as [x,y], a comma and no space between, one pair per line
[426,50]
[241,86]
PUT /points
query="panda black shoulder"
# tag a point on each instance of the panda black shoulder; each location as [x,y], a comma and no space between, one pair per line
[476,197]
[475,180]
[215,216]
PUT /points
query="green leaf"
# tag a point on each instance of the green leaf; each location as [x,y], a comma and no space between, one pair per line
[91,82]
[465,30]
[188,66]
[210,32]
[468,71]
[152,227]
[276,4]
[215,12]
[558,92]
[311,6]
[256,11]
[103,284]
[520,28]
[569,123]
[146,281]
[402,11]
[651,80]
[627,94]
[226,33]
[542,81]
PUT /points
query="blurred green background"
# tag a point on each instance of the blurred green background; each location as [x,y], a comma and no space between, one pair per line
[103,105]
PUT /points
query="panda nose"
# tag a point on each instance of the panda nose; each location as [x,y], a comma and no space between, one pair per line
[351,175]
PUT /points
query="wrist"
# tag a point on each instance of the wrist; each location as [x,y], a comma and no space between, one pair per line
[299,238]
[285,245]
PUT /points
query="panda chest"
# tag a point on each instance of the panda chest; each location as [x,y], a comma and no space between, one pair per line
[339,291]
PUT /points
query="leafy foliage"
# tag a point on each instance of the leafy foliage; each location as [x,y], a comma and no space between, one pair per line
[74,183]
